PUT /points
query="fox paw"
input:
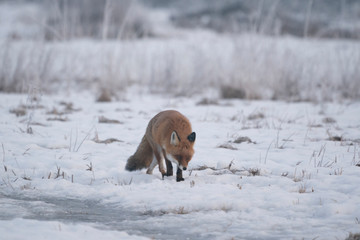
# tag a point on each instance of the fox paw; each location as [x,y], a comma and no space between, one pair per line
[180,179]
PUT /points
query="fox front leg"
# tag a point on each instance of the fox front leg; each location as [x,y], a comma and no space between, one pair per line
[169,168]
[179,176]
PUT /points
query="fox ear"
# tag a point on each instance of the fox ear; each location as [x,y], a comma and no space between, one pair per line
[192,137]
[174,140]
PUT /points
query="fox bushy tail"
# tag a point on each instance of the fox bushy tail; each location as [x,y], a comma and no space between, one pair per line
[142,158]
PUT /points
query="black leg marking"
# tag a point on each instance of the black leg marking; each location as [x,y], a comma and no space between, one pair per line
[179,175]
[169,168]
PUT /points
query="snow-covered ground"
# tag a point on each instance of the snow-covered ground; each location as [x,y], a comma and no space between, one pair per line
[295,173]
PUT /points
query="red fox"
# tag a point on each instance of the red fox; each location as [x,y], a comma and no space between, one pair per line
[168,137]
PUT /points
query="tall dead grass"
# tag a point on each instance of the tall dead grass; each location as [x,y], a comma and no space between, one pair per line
[260,67]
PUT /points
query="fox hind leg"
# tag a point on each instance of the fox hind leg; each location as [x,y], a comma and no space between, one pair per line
[152,165]
[161,161]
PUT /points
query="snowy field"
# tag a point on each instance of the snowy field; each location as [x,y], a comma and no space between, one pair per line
[261,170]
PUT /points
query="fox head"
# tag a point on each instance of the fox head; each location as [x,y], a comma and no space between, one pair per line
[181,149]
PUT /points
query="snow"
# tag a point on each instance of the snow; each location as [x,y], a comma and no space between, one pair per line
[290,182]
[56,230]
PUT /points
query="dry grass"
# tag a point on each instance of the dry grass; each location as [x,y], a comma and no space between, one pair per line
[104,96]
[178,210]
[337,172]
[334,138]
[230,92]
[256,115]
[237,71]
[182,210]
[125,182]
[328,120]
[19,111]
[69,107]
[229,170]
[243,139]
[89,167]
[254,171]
[75,146]
[303,175]
[59,119]
[302,188]
[207,102]
[103,119]
[353,236]
[59,173]
[227,146]
[106,141]
[27,186]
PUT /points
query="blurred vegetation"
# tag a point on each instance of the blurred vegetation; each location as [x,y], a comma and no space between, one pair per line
[112,19]
[242,49]
[302,18]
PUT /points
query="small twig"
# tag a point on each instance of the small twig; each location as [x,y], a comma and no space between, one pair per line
[307,131]
[277,138]
[5,167]
[87,135]
[90,167]
[3,152]
[26,151]
[354,157]
[286,140]
[8,183]
[321,149]
[231,163]
[70,140]
[322,157]
[58,173]
[267,151]
[76,138]
[217,170]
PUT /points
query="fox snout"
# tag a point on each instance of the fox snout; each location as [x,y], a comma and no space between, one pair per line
[182,166]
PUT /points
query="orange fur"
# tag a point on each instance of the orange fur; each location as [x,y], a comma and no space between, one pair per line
[168,138]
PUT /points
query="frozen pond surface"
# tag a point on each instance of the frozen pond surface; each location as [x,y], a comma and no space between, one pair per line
[102,216]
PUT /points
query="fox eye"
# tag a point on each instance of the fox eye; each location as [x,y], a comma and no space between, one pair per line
[178,157]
